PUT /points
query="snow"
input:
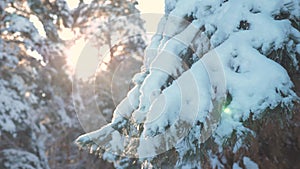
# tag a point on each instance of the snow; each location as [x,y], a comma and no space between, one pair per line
[117,143]
[238,145]
[298,48]
[15,158]
[37,56]
[33,108]
[127,106]
[250,63]
[236,166]
[165,64]
[12,107]
[234,63]
[38,25]
[177,105]
[169,6]
[18,23]
[152,49]
[214,163]
[249,164]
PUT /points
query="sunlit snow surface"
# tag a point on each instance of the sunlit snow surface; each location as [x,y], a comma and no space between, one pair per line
[254,81]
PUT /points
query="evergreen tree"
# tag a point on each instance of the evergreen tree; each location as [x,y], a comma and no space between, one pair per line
[111,24]
[116,30]
[212,67]
[35,89]
[37,120]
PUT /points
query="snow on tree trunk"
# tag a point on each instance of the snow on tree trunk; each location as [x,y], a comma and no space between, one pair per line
[210,66]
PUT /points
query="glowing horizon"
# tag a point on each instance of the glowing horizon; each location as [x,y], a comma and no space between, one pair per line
[88,67]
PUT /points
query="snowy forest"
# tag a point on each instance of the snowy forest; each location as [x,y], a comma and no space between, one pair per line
[216,86]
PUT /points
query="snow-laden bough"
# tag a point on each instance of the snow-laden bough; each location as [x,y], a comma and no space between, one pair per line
[203,52]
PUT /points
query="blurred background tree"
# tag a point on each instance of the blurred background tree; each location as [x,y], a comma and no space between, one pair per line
[38,123]
[116,29]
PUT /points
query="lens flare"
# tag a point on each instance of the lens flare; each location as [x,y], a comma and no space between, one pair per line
[227,110]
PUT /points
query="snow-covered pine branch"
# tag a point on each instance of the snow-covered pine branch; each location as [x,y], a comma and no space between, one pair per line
[248,38]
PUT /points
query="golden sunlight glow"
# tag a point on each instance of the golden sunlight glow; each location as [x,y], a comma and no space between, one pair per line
[10,10]
[120,48]
[104,61]
[103,67]
[66,34]
[145,6]
[151,6]
[27,94]
[73,3]
[106,58]
[74,52]
[84,58]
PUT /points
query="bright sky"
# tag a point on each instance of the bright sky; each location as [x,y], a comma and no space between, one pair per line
[151,12]
[151,6]
[145,6]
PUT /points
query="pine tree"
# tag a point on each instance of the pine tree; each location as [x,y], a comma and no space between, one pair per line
[110,24]
[116,30]
[35,90]
[211,67]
